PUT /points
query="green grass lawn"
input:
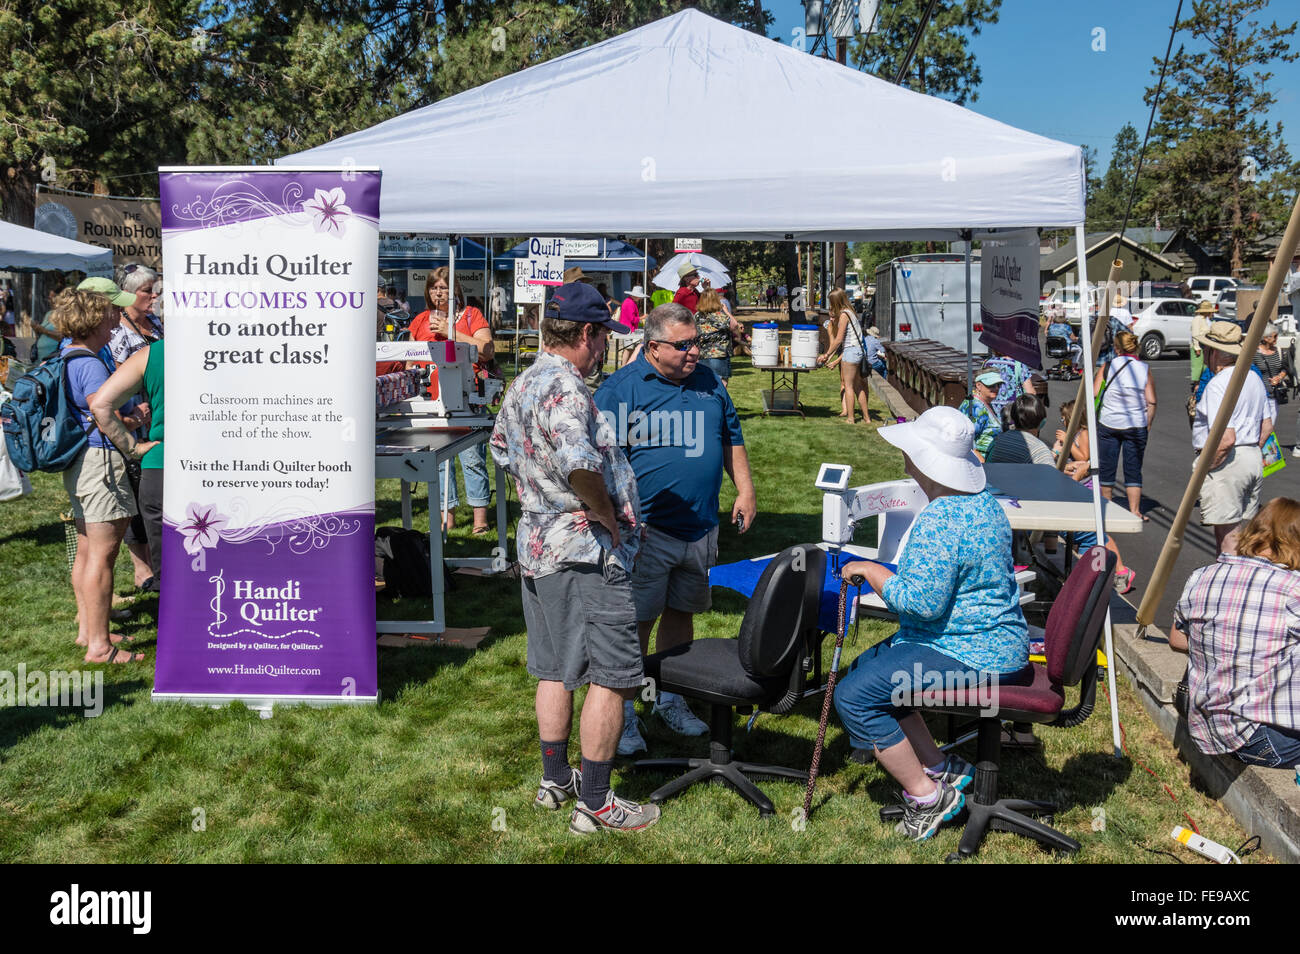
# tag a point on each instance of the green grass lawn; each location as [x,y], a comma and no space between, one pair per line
[444,769]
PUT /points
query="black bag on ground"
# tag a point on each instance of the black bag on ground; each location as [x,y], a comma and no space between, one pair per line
[405,561]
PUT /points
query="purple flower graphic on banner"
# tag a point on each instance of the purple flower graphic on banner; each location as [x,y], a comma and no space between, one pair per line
[202,529]
[329,211]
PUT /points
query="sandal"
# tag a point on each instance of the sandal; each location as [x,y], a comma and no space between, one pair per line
[113,655]
[479,531]
[1124,581]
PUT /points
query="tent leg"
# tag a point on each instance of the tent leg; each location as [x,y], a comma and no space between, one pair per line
[1091,411]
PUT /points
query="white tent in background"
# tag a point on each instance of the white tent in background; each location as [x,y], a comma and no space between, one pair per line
[30,250]
[843,155]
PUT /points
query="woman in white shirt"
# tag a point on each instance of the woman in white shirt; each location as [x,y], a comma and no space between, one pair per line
[1128,407]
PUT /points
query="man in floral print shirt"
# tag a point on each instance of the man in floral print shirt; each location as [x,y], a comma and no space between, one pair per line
[577,541]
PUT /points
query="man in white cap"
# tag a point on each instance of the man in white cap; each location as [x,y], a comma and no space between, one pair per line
[959,618]
[1230,494]
[688,291]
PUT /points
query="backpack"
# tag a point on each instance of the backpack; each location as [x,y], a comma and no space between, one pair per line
[42,426]
[406,563]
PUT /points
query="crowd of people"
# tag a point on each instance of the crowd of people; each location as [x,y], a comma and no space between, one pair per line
[617,535]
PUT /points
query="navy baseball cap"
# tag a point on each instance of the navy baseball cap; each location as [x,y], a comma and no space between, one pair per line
[578,301]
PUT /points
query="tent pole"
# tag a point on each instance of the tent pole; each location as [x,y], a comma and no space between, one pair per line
[1264,313]
[1098,516]
[449,473]
[970,339]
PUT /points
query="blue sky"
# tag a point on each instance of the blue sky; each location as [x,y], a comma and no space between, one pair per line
[1041,73]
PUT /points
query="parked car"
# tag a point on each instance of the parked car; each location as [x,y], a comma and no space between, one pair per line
[1227,304]
[1162,324]
[1209,287]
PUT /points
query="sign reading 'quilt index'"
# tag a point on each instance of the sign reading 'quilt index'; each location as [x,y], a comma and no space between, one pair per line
[268,503]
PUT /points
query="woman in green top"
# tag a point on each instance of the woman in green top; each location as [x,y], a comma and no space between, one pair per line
[140,373]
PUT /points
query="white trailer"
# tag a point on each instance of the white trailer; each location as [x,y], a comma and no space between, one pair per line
[924,296]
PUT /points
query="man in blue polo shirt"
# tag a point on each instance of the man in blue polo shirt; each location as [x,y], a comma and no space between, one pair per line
[680,431]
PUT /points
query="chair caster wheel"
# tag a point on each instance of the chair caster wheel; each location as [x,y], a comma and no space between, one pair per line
[953,858]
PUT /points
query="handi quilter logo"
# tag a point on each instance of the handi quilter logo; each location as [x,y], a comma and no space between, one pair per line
[77,907]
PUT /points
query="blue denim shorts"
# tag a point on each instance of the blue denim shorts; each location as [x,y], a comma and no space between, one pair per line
[719,366]
[1271,747]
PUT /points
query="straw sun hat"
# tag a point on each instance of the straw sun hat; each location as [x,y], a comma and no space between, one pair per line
[941,444]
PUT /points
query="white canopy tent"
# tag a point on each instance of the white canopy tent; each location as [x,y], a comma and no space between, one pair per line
[716,144]
[727,135]
[30,250]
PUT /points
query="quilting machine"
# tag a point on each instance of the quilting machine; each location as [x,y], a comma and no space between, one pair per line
[417,437]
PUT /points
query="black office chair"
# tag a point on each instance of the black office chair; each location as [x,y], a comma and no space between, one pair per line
[775,662]
[1074,631]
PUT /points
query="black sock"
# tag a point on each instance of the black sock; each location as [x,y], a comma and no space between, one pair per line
[595,782]
[555,762]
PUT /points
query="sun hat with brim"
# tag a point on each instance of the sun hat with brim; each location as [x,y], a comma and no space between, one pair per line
[1205,308]
[685,269]
[873,331]
[941,444]
[108,288]
[578,301]
[637,292]
[1223,336]
[989,379]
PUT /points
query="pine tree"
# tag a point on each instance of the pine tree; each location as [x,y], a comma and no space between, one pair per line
[1108,196]
[943,64]
[1218,167]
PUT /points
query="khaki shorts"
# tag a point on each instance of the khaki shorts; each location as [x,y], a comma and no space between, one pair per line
[1230,493]
[98,486]
[673,573]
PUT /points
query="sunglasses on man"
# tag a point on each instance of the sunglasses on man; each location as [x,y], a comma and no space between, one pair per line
[682,346]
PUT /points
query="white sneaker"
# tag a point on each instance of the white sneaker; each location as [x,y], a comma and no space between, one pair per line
[678,717]
[617,814]
[631,742]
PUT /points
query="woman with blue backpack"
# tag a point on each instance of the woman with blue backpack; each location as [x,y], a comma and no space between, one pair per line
[97,483]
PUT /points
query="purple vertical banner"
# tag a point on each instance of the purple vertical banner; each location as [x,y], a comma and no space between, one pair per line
[1009,297]
[268,496]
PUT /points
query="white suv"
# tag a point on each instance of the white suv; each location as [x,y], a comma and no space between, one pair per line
[1208,287]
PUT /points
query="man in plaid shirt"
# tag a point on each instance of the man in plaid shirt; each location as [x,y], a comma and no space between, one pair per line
[1239,622]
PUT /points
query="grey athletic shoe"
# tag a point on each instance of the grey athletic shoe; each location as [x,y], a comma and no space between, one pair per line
[631,741]
[921,821]
[617,814]
[956,771]
[552,795]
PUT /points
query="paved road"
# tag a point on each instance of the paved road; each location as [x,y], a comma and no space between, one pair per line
[1165,472]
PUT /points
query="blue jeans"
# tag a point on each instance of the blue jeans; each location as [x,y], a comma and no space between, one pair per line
[719,366]
[1271,747]
[867,697]
[1110,442]
[474,463]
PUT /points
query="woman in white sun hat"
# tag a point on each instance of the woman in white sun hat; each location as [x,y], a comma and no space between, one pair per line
[958,614]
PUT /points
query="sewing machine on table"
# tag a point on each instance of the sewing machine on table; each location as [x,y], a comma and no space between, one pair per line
[417,437]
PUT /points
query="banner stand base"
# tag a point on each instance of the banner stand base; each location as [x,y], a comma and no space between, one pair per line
[262,704]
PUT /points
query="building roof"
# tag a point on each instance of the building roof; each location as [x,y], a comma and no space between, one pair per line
[1066,256]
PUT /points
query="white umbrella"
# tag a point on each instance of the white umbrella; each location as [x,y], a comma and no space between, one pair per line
[708,267]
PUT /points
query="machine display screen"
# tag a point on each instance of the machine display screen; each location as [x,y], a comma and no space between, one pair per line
[832,475]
